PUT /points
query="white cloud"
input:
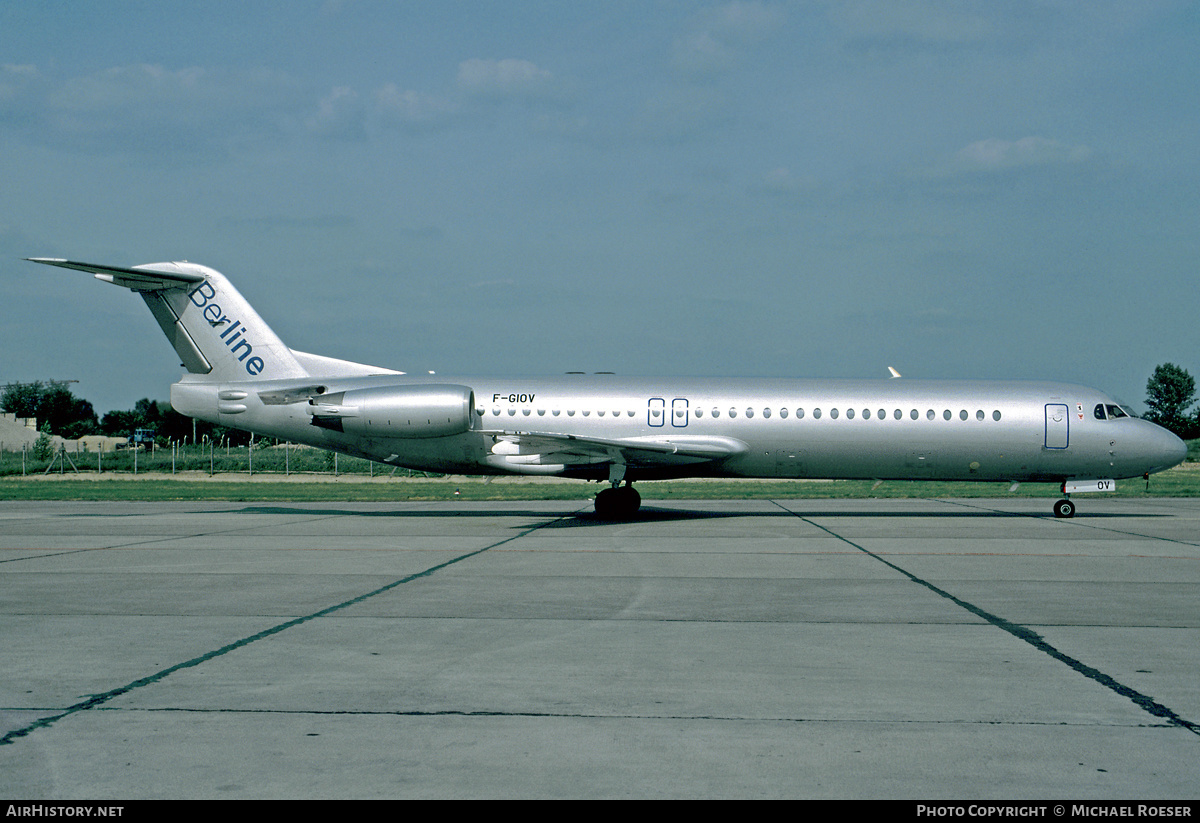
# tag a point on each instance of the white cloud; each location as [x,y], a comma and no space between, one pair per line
[714,44]
[339,114]
[146,107]
[15,79]
[744,23]
[505,78]
[995,154]
[923,21]
[409,108]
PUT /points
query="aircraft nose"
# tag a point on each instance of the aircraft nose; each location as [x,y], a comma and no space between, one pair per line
[1162,448]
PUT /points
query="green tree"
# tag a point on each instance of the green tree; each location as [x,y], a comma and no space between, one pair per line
[1170,392]
[42,447]
[120,423]
[53,404]
[21,399]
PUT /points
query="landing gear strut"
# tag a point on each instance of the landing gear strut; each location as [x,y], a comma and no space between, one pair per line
[618,503]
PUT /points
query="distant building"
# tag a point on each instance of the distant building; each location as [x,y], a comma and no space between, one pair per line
[17,433]
[20,433]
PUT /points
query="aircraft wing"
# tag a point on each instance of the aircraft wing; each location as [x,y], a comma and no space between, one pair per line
[138,279]
[533,448]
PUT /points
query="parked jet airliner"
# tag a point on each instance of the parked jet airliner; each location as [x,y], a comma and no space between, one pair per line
[617,430]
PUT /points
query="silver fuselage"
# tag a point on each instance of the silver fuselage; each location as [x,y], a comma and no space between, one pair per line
[884,429]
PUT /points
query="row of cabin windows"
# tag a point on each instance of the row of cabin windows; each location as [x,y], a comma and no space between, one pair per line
[850,414]
[866,414]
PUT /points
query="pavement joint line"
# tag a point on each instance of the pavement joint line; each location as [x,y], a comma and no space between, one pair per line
[165,539]
[1066,522]
[98,700]
[735,718]
[1027,635]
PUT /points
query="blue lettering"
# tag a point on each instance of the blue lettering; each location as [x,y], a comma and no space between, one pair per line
[206,291]
[243,345]
[201,298]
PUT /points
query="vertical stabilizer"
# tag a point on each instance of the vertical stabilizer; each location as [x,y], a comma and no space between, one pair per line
[213,329]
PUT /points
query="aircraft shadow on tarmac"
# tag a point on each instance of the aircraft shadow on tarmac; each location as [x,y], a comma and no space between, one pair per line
[654,514]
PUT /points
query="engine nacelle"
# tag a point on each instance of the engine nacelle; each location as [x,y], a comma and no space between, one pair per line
[430,410]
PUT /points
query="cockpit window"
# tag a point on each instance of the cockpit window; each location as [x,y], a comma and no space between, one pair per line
[1115,411]
[1099,412]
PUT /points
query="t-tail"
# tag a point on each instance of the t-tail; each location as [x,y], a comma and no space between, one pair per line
[213,329]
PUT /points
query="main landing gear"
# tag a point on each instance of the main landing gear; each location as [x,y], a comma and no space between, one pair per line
[618,503]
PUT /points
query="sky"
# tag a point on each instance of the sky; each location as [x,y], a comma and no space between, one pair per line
[956,188]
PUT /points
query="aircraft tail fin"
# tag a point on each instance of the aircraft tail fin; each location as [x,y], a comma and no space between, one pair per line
[212,328]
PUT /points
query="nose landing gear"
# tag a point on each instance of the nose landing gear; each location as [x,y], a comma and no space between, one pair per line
[1064,508]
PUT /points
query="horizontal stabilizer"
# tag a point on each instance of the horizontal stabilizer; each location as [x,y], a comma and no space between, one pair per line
[150,278]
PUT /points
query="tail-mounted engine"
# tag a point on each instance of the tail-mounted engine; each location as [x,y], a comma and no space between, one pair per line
[436,410]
